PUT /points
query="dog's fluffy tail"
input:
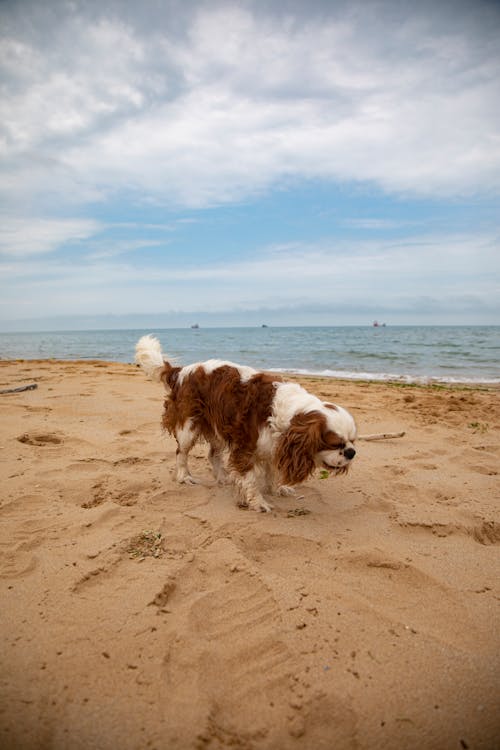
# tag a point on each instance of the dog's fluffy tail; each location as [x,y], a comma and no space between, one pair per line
[149,356]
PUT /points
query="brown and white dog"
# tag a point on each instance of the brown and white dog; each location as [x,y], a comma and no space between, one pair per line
[274,433]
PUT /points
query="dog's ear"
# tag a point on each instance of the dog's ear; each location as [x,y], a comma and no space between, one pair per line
[297,447]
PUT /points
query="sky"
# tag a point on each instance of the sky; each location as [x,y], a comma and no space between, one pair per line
[238,163]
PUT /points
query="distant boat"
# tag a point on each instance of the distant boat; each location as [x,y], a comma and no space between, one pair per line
[376,324]
[263,325]
[195,325]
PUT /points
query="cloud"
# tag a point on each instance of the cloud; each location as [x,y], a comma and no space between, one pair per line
[58,93]
[220,102]
[172,122]
[20,237]
[375,224]
[392,276]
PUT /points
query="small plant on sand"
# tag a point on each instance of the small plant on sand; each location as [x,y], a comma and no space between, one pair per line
[145,544]
[479,427]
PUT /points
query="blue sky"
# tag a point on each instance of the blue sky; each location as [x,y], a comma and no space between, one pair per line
[233,163]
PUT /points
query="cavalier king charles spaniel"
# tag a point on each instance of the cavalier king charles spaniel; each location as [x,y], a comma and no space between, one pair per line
[274,433]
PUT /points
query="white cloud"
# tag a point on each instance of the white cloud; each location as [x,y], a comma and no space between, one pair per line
[375,224]
[441,269]
[53,92]
[202,104]
[21,237]
[241,99]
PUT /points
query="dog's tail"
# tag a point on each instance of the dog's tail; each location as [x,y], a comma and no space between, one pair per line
[149,356]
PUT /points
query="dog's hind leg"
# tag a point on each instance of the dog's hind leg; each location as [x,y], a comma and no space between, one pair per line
[186,437]
[216,458]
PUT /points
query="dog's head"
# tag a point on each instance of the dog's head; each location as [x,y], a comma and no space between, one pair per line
[320,438]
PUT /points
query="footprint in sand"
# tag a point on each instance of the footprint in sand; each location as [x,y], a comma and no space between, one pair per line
[487,532]
[41,439]
[486,470]
[403,592]
[444,523]
[236,629]
[35,409]
[231,654]
[120,491]
[15,563]
[22,537]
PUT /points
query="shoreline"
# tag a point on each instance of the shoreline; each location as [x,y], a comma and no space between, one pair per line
[402,381]
[139,612]
[462,354]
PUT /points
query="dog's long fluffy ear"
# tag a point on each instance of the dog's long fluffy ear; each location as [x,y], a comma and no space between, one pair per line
[297,447]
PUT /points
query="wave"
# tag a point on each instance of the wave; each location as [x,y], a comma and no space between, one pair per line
[385,377]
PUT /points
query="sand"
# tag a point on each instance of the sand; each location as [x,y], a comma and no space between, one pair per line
[137,613]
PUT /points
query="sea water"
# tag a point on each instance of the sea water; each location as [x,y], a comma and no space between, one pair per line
[407,353]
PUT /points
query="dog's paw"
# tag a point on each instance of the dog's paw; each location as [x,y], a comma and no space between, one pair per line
[188,479]
[258,504]
[261,506]
[285,490]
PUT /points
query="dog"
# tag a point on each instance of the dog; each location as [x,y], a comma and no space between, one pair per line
[274,433]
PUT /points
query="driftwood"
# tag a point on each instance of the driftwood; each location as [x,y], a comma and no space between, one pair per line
[381,436]
[21,388]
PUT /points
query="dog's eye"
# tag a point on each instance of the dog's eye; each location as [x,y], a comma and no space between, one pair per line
[334,442]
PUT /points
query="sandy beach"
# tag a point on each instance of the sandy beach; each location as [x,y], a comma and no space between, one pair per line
[137,613]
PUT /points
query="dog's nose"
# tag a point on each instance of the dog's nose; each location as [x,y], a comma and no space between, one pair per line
[349,453]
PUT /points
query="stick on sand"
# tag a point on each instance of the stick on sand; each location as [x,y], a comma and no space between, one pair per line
[20,389]
[381,436]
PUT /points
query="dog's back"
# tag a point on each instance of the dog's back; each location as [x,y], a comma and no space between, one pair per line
[253,418]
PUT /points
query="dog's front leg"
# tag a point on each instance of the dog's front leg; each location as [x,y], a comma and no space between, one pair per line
[250,495]
[271,482]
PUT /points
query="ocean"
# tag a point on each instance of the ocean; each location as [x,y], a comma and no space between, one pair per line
[450,354]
